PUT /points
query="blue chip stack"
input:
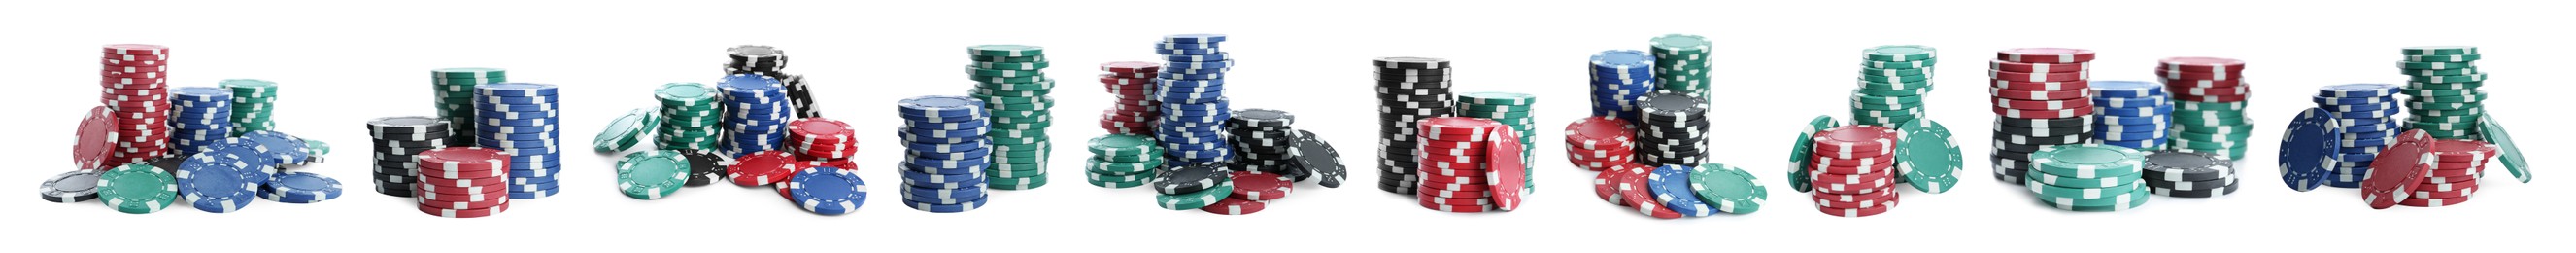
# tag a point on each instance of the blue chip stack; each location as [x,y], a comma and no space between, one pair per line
[945,153]
[1192,128]
[756,111]
[2365,112]
[204,115]
[2133,114]
[1619,77]
[521,119]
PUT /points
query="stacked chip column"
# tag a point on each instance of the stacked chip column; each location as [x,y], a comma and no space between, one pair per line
[1673,129]
[522,120]
[1122,161]
[1681,63]
[756,113]
[1514,111]
[1853,171]
[398,141]
[1455,153]
[1619,78]
[465,182]
[136,93]
[822,140]
[1192,91]
[1012,82]
[1132,83]
[2088,177]
[690,113]
[2132,114]
[254,102]
[1409,89]
[2040,101]
[454,90]
[772,62]
[1263,141]
[2459,165]
[202,117]
[2209,104]
[1893,81]
[2442,91]
[945,153]
[2367,115]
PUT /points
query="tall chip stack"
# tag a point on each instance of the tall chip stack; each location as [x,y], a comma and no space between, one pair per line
[136,92]
[1672,130]
[2363,120]
[2089,177]
[2040,101]
[1599,143]
[254,103]
[1515,111]
[1191,86]
[522,120]
[1409,89]
[2133,114]
[203,116]
[1469,165]
[2209,105]
[690,113]
[944,174]
[1012,82]
[464,182]
[1121,161]
[1619,77]
[755,113]
[398,143]
[454,90]
[1893,82]
[2442,93]
[1132,82]
[772,62]
[1681,63]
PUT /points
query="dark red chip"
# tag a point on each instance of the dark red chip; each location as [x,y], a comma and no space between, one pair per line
[2462,150]
[2042,104]
[762,168]
[464,213]
[1114,79]
[1858,212]
[112,62]
[132,57]
[2002,65]
[109,73]
[463,182]
[2202,64]
[136,49]
[1506,170]
[2042,86]
[480,189]
[2042,95]
[2169,82]
[1606,184]
[1873,168]
[2397,169]
[2045,55]
[463,159]
[1131,67]
[1633,190]
[2434,202]
[2039,76]
[1885,156]
[2211,91]
[1261,186]
[463,204]
[2186,75]
[1456,208]
[1235,206]
[1871,200]
[1853,141]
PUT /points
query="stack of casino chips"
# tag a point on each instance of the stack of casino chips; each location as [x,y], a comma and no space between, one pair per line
[823,140]
[136,92]
[522,119]
[1191,86]
[772,62]
[1469,165]
[1619,78]
[454,91]
[755,113]
[1409,89]
[690,112]
[203,116]
[1012,82]
[1132,82]
[2366,114]
[2459,165]
[2040,101]
[397,142]
[2442,91]
[2187,174]
[1681,63]
[1599,143]
[1893,82]
[1264,142]
[1852,170]
[1121,161]
[2209,105]
[2130,114]
[254,102]
[1514,111]
[1673,129]
[944,174]
[2088,177]
[466,182]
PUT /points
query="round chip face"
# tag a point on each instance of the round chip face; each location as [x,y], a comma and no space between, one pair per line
[1803,149]
[71,187]
[1928,158]
[94,140]
[1505,170]
[2397,169]
[828,190]
[1006,50]
[2201,64]
[1314,154]
[1855,138]
[942,106]
[1671,186]
[1261,186]
[1729,189]
[137,189]
[1192,178]
[1900,53]
[2309,148]
[651,174]
[2045,55]
[622,133]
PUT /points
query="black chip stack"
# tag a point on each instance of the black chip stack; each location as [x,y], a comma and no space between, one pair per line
[1264,143]
[396,140]
[1409,89]
[1673,129]
[772,62]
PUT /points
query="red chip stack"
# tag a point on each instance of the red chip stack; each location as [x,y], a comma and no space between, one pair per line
[1468,165]
[1854,173]
[1599,143]
[2454,177]
[2209,105]
[823,142]
[137,95]
[1133,83]
[463,182]
[2042,99]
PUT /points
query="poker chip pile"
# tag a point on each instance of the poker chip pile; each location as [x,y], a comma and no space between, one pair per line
[1409,89]
[2209,105]
[397,142]
[253,102]
[2458,164]
[1191,88]
[466,182]
[1470,165]
[223,177]
[1514,111]
[755,113]
[2040,101]
[690,113]
[1131,82]
[1600,143]
[2442,90]
[2088,177]
[1893,82]
[454,89]
[1011,81]
[2132,114]
[1673,129]
[1619,78]
[2188,174]
[1852,170]
[2401,169]
[2361,120]
[1194,186]
[1271,158]
[943,172]
[1681,63]
[1122,161]
[1264,142]
[772,62]
[202,116]
[136,93]
[823,140]
[521,120]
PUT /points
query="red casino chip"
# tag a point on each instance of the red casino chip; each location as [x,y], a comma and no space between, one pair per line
[1115,79]
[463,159]
[1819,167]
[2201,82]
[1864,187]
[1456,201]
[1458,187]
[2201,64]
[464,204]
[1457,128]
[2454,191]
[1427,158]
[135,69]
[2043,114]
[138,92]
[1858,212]
[1633,190]
[1854,141]
[114,62]
[2043,104]
[2042,95]
[480,189]
[1506,172]
[1445,169]
[1261,186]
[136,49]
[1600,133]
[2001,65]
[761,168]
[106,73]
[1479,178]
[464,213]
[1884,157]
[2462,150]
[462,182]
[1881,198]
[1457,208]
[1838,197]
[2433,202]
[2045,55]
[1850,178]
[1131,67]
[2397,169]
[1427,191]
[1606,184]
[137,57]
[2039,76]
[2186,75]
[819,130]
[1234,206]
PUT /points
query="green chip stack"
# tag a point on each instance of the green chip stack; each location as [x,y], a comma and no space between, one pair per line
[1120,161]
[2442,96]
[1513,109]
[1893,80]
[1011,81]
[455,93]
[253,102]
[689,116]
[2088,177]
[1681,63]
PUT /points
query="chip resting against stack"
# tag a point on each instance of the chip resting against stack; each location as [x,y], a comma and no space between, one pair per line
[1673,129]
[2458,164]
[2133,114]
[524,121]
[1469,165]
[1409,89]
[2088,177]
[1619,78]
[1514,110]
[943,172]
[772,62]
[1011,81]
[135,90]
[626,131]
[397,142]
[2209,105]
[454,90]
[1132,84]
[2040,101]
[467,182]
[1893,82]
[2400,170]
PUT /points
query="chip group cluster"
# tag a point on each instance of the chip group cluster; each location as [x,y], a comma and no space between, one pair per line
[1681,63]
[1191,86]
[2089,177]
[1123,161]
[222,177]
[1131,83]
[2350,124]
[2132,114]
[465,182]
[136,93]
[202,116]
[1011,80]
[945,153]
[1618,79]
[254,103]
[1515,111]
[2209,105]
[1600,143]
[453,89]
[1893,82]
[690,113]
[2442,90]
[755,113]
[1470,165]
[524,121]
[1672,129]
[2040,101]
[397,143]
[1409,90]
[772,62]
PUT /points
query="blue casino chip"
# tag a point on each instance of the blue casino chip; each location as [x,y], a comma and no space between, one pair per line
[2308,147]
[827,190]
[1218,56]
[213,182]
[1194,38]
[2126,89]
[300,188]
[1189,76]
[941,107]
[2358,90]
[1193,51]
[515,89]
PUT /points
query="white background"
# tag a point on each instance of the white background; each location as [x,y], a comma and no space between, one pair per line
[1778,64]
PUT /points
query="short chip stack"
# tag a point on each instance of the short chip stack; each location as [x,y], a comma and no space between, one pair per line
[1470,165]
[755,113]
[454,93]
[1012,82]
[203,116]
[944,174]
[652,174]
[1132,83]
[398,142]
[254,101]
[772,62]
[1409,89]
[136,91]
[2040,101]
[1193,186]
[1619,78]
[2088,177]
[1852,170]
[690,113]
[1600,143]
[2363,120]
[467,182]
[1515,111]
[2209,105]
[1893,82]
[2188,174]
[1681,63]
[823,140]
[2132,114]
[522,120]
[1264,142]
[2442,90]
[2460,163]
[1121,161]
[1673,129]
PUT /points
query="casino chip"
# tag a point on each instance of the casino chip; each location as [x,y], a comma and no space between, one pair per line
[214,182]
[1011,81]
[772,62]
[1132,83]
[1599,143]
[2396,172]
[94,146]
[1681,63]
[1516,111]
[2131,99]
[690,117]
[755,111]
[2189,174]
[2311,150]
[454,91]
[1673,129]
[817,140]
[1409,90]
[1193,186]
[828,190]
[625,131]
[2442,93]
[1469,165]
[71,187]
[467,182]
[2059,176]
[2346,129]
[137,189]
[651,175]
[2208,114]
[523,121]
[1926,158]
[300,188]
[202,116]
[1894,80]
[138,110]
[397,140]
[946,153]
[2042,99]
[1852,169]
[1123,161]
[1619,78]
